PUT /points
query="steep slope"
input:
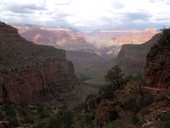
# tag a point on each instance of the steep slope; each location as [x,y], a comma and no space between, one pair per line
[32,73]
[132,58]
[138,102]
[158,62]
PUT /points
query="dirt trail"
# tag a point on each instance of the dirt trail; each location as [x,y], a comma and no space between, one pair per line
[156,90]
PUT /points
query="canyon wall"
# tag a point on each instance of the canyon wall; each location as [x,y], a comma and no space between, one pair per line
[31,73]
[157,71]
[132,58]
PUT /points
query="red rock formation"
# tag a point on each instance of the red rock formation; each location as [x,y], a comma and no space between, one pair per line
[65,39]
[103,112]
[32,73]
[158,62]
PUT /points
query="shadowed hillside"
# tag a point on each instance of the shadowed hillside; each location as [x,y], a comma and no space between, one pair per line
[132,58]
[31,73]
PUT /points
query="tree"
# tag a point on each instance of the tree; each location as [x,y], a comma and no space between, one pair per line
[115,80]
[114,77]
[165,37]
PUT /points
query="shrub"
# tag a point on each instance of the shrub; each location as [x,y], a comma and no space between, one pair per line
[107,91]
[165,121]
[117,124]
[1,115]
[9,110]
[42,111]
[67,119]
[113,115]
[64,120]
[114,76]
[136,121]
[88,118]
[165,37]
[13,121]
[114,80]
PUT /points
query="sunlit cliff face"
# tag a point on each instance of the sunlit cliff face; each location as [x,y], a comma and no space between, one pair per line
[88,14]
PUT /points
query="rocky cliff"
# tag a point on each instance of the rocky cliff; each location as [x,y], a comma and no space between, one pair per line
[132,58]
[158,62]
[65,39]
[32,73]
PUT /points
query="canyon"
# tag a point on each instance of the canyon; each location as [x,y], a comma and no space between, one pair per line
[92,52]
[31,73]
[102,42]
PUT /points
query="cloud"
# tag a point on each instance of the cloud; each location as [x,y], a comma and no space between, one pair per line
[64,3]
[142,25]
[25,8]
[137,16]
[157,1]
[118,5]
[88,14]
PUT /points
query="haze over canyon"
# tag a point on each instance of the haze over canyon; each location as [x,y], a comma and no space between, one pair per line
[84,64]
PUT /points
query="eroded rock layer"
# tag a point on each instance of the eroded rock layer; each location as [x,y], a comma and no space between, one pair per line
[32,73]
[158,62]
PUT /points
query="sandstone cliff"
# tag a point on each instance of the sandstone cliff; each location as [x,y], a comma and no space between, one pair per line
[158,62]
[132,58]
[32,73]
[65,39]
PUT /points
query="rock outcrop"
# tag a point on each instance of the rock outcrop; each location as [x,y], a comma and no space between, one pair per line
[158,62]
[132,58]
[32,73]
[65,39]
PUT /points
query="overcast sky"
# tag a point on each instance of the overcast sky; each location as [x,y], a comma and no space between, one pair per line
[88,14]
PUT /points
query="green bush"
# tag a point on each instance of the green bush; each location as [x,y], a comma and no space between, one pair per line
[136,121]
[128,103]
[165,37]
[117,124]
[113,115]
[88,117]
[2,116]
[9,109]
[42,124]
[64,120]
[114,77]
[114,80]
[165,121]
[42,111]
[107,91]
[13,121]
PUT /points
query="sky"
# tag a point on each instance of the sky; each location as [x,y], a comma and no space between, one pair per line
[88,14]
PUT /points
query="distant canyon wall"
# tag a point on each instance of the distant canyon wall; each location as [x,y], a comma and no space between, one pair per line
[132,58]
